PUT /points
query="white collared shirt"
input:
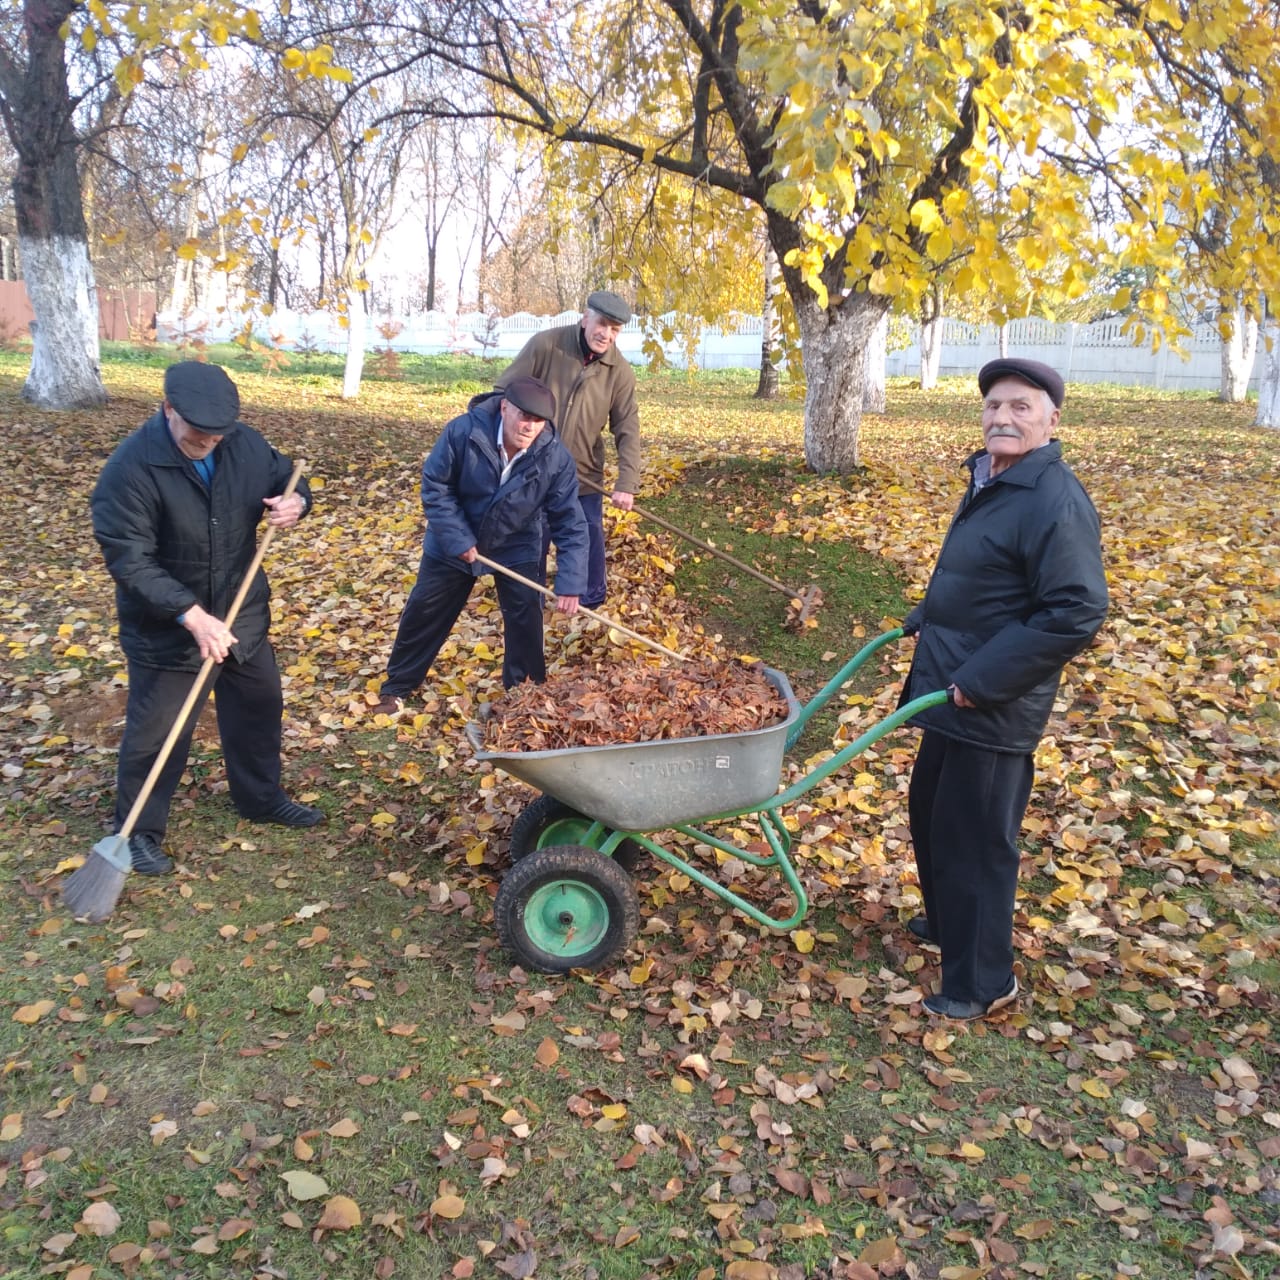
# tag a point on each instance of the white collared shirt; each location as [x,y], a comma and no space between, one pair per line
[507,463]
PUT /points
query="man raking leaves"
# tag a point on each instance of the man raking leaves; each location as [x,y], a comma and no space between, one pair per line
[176,511]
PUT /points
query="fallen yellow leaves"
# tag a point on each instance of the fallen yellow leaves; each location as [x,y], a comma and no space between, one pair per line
[448,1206]
[29,1014]
[304,1185]
[100,1219]
[340,1213]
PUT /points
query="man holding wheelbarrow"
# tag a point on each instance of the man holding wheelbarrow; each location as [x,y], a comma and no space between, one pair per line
[594,387]
[1018,590]
[176,511]
[487,484]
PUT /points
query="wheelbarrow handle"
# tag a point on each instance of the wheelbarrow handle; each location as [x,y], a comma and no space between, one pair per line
[706,546]
[582,608]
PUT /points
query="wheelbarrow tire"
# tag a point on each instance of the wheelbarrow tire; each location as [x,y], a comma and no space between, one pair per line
[566,907]
[547,821]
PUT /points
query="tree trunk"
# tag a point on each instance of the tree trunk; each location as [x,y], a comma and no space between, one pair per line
[767,387]
[52,237]
[182,297]
[930,350]
[874,398]
[834,344]
[1269,388]
[353,369]
[1004,342]
[1239,350]
[431,274]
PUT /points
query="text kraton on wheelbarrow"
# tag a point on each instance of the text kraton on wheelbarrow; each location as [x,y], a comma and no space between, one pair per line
[568,902]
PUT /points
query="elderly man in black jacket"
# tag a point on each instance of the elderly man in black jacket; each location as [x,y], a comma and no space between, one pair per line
[1018,590]
[176,511]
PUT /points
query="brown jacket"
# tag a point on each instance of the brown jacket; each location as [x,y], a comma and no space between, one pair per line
[588,396]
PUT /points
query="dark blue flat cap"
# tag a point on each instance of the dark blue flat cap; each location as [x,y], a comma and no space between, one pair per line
[533,396]
[1032,371]
[203,395]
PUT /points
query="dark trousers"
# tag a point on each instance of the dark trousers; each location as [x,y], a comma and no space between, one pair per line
[433,606]
[966,805]
[249,705]
[592,505]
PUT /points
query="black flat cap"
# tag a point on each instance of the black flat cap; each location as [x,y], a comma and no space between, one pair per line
[1032,371]
[203,395]
[533,396]
[609,305]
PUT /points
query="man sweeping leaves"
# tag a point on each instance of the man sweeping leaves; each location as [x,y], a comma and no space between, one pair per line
[176,511]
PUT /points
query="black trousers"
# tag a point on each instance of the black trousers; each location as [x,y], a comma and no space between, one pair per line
[592,505]
[433,606]
[249,706]
[966,806]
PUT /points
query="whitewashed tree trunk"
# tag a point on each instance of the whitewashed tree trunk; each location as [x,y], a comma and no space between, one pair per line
[930,351]
[49,212]
[1239,350]
[834,343]
[1269,387]
[874,399]
[353,368]
[64,337]
[767,386]
[1004,342]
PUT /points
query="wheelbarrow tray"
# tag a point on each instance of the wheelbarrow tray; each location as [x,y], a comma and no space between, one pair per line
[648,786]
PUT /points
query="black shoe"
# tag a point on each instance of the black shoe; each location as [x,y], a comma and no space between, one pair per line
[147,857]
[918,927]
[967,1010]
[289,813]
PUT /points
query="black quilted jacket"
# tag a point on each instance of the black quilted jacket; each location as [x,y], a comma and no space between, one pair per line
[169,543]
[1018,590]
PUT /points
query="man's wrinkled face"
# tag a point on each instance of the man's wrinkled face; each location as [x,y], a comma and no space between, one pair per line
[191,442]
[599,331]
[519,429]
[1016,418]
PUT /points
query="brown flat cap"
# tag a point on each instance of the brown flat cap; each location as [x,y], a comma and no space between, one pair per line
[533,396]
[609,305]
[203,395]
[1032,371]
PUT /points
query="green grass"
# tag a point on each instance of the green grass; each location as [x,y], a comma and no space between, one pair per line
[720,1096]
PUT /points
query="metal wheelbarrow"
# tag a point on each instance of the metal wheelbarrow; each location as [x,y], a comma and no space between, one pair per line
[568,901]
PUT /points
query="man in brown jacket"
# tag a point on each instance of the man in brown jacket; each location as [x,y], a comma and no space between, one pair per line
[594,387]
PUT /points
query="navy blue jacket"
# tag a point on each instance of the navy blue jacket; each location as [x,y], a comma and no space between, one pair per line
[466,507]
[1018,590]
[170,543]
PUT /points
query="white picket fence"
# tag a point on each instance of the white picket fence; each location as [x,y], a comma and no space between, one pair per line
[1099,352]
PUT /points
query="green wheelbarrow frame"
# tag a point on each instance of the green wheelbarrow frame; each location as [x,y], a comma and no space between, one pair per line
[569,776]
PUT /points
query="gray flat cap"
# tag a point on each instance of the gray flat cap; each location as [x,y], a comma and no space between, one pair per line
[609,305]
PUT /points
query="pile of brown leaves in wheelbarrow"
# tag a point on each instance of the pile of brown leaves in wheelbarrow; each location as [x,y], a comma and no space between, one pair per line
[633,702]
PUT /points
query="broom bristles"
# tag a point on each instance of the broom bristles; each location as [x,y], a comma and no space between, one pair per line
[92,891]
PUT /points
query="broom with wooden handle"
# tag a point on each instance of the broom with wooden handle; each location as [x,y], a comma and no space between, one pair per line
[92,891]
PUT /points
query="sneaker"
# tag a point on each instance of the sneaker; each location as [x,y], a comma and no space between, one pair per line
[388,705]
[918,927]
[147,857]
[289,813]
[967,1010]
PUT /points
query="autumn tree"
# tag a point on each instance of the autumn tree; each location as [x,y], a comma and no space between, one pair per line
[38,108]
[867,133]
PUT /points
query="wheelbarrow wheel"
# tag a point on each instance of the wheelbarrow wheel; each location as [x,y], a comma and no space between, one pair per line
[566,907]
[547,821]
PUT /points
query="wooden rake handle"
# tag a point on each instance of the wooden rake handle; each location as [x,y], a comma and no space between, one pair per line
[582,608]
[126,827]
[698,542]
